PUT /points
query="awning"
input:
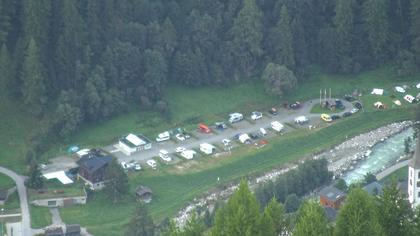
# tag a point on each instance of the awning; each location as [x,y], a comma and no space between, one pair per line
[60,175]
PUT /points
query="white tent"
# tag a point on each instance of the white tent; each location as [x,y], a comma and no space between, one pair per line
[60,175]
[418,86]
[244,138]
[397,102]
[409,98]
[399,89]
[376,91]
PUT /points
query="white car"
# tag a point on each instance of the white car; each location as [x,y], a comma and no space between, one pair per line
[256,115]
[124,165]
[301,120]
[263,132]
[354,110]
[164,155]
[235,117]
[226,142]
[137,166]
[188,154]
[152,163]
[180,149]
[180,137]
[163,136]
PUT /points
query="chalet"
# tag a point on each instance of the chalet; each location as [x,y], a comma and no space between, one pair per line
[134,143]
[144,194]
[92,170]
[331,197]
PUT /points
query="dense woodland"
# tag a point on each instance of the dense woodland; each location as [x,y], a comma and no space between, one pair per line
[79,61]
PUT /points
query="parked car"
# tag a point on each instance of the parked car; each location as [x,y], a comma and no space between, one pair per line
[277,126]
[273,111]
[301,120]
[235,117]
[188,154]
[124,165]
[326,117]
[347,114]
[295,105]
[163,136]
[339,104]
[358,105]
[335,117]
[354,110]
[263,132]
[226,142]
[180,137]
[152,163]
[180,149]
[137,167]
[164,155]
[204,128]
[256,115]
[220,125]
[349,98]
[254,136]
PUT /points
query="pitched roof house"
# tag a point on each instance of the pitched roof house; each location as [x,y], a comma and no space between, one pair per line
[331,197]
[92,170]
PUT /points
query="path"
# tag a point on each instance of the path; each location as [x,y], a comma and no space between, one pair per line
[391,169]
[284,116]
[23,198]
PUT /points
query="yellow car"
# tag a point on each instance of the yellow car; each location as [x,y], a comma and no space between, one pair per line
[326,118]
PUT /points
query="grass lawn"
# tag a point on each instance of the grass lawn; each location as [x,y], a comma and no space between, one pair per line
[54,188]
[6,182]
[172,189]
[398,175]
[12,202]
[40,217]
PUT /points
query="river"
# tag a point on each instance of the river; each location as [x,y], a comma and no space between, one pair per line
[382,155]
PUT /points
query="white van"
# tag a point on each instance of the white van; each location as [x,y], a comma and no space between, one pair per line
[207,148]
[164,155]
[163,136]
[277,126]
[301,120]
[235,117]
[263,132]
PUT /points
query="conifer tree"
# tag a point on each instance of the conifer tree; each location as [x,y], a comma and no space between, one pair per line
[415,29]
[311,220]
[141,224]
[5,69]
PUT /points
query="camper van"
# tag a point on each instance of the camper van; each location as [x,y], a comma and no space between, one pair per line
[207,148]
[164,155]
[244,138]
[163,136]
[277,126]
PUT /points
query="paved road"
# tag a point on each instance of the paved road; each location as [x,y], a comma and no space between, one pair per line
[284,116]
[23,198]
[391,169]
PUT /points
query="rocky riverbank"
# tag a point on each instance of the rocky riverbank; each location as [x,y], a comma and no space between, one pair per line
[340,159]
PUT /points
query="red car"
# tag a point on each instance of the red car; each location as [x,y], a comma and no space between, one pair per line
[204,128]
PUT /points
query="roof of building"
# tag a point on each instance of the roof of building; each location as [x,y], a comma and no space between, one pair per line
[415,162]
[133,140]
[331,213]
[332,193]
[60,175]
[72,228]
[93,163]
[3,194]
[373,188]
[141,190]
[403,186]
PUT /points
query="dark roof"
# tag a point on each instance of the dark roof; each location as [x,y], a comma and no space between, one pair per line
[143,190]
[330,213]
[3,194]
[332,193]
[403,187]
[72,229]
[56,231]
[415,162]
[93,163]
[374,188]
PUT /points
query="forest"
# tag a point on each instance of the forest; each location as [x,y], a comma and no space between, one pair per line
[76,62]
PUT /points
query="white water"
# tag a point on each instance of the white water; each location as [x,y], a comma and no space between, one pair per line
[383,155]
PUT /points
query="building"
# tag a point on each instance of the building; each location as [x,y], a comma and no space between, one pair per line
[414,177]
[54,231]
[373,188]
[331,197]
[92,170]
[144,194]
[73,230]
[133,143]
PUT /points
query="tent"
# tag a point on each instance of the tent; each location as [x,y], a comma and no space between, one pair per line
[397,102]
[72,149]
[399,89]
[379,105]
[376,91]
[418,86]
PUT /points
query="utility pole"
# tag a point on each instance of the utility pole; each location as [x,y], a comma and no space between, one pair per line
[320,97]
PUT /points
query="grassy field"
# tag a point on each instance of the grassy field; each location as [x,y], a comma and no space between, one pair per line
[172,190]
[6,182]
[40,217]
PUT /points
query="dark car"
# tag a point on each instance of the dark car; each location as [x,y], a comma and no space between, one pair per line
[237,136]
[253,136]
[220,125]
[339,104]
[349,98]
[335,117]
[347,114]
[295,105]
[358,105]
[273,111]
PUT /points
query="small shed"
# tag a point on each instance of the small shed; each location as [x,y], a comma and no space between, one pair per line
[373,188]
[144,194]
[3,196]
[331,197]
[73,230]
[54,231]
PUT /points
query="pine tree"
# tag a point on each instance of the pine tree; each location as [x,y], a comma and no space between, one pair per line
[5,69]
[247,36]
[240,216]
[377,28]
[286,55]
[415,29]
[141,224]
[344,33]
[278,79]
[4,23]
[276,211]
[311,220]
[116,186]
[35,179]
[359,216]
[33,77]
